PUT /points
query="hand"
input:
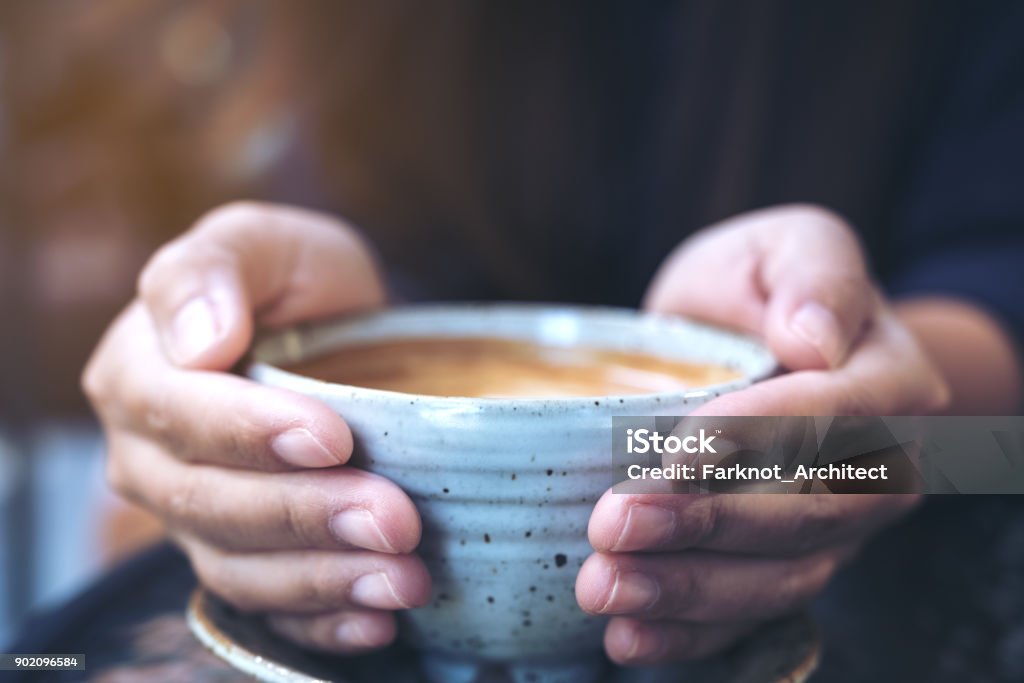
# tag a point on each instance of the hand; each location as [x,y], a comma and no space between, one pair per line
[685,575]
[249,480]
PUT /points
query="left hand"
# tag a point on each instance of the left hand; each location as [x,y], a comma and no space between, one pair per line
[683,576]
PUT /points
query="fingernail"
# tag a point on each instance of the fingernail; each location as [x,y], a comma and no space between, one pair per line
[646,527]
[632,592]
[647,644]
[818,326]
[359,528]
[299,447]
[351,632]
[194,330]
[376,590]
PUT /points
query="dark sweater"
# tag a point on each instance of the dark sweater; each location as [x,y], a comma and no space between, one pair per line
[560,150]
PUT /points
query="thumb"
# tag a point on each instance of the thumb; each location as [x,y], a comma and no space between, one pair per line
[819,296]
[249,263]
[795,275]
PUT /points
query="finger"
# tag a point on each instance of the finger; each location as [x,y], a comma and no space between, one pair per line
[310,581]
[210,417]
[284,264]
[887,374]
[766,524]
[702,586]
[736,435]
[820,297]
[795,274]
[713,276]
[252,511]
[348,632]
[632,642]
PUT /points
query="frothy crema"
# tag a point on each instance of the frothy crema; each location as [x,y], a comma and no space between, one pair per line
[492,368]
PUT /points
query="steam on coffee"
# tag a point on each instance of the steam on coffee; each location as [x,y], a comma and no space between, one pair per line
[493,368]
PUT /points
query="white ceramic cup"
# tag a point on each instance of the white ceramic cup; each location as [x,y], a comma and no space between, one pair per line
[505,486]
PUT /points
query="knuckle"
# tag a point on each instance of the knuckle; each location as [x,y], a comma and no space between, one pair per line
[799,586]
[821,520]
[94,382]
[247,437]
[687,593]
[319,584]
[851,286]
[699,522]
[296,521]
[146,410]
[209,574]
[822,218]
[163,262]
[117,475]
[230,217]
[156,414]
[133,403]
[938,395]
[182,500]
[213,572]
[819,574]
[861,401]
[824,221]
[347,239]
[202,246]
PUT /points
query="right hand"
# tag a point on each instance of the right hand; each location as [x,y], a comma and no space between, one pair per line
[250,480]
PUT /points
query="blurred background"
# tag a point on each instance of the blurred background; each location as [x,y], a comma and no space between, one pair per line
[90,184]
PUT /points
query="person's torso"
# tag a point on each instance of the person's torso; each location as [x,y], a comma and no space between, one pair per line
[559,151]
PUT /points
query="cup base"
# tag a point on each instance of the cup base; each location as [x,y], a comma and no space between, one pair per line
[784,651]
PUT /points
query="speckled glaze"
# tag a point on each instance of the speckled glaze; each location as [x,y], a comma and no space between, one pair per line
[505,486]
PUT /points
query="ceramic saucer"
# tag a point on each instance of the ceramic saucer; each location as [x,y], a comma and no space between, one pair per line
[784,651]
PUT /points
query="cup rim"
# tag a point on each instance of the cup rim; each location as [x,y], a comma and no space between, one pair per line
[293,340]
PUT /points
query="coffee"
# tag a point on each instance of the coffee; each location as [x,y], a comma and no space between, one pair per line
[492,368]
